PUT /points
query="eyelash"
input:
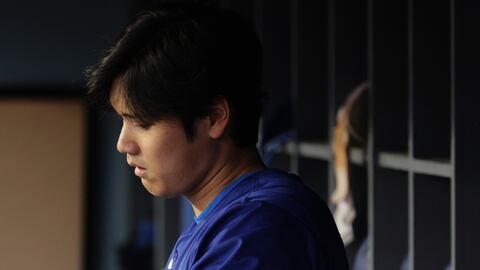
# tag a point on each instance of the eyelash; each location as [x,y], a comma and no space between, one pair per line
[136,124]
[142,125]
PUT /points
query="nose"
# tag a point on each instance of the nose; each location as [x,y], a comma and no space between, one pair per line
[126,143]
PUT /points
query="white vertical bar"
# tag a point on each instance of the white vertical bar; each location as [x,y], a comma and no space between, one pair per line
[411,190]
[452,138]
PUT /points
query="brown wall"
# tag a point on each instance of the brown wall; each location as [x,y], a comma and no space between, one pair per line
[41,184]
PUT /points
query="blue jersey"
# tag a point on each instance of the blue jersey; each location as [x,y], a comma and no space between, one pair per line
[262,220]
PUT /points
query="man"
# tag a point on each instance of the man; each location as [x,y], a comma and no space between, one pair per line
[186,81]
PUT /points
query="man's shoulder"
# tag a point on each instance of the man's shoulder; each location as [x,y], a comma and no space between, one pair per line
[287,191]
[271,221]
[271,198]
[277,237]
[263,231]
[276,183]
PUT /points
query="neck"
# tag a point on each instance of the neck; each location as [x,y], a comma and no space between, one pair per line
[235,164]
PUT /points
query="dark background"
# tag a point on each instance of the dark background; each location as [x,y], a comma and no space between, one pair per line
[420,58]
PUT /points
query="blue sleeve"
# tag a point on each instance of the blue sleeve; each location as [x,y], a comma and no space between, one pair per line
[259,236]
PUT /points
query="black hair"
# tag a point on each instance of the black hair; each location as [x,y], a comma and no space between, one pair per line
[178,60]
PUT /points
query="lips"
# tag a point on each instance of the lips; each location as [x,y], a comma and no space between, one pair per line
[139,171]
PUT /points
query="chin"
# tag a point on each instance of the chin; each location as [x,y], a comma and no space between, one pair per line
[157,191]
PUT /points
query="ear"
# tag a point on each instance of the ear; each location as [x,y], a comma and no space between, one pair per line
[219,118]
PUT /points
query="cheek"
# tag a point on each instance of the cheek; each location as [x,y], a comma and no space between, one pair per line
[185,164]
[162,156]
[171,157]
[174,164]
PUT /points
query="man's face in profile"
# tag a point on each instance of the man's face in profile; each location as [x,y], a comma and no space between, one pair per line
[168,163]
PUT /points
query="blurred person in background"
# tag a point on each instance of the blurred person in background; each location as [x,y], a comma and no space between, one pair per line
[186,81]
[350,194]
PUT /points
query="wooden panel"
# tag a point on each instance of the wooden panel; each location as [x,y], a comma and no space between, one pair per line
[41,184]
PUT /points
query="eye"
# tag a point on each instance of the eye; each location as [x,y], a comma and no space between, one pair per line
[142,125]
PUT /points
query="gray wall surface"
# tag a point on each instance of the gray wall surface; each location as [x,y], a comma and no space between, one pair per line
[53,41]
